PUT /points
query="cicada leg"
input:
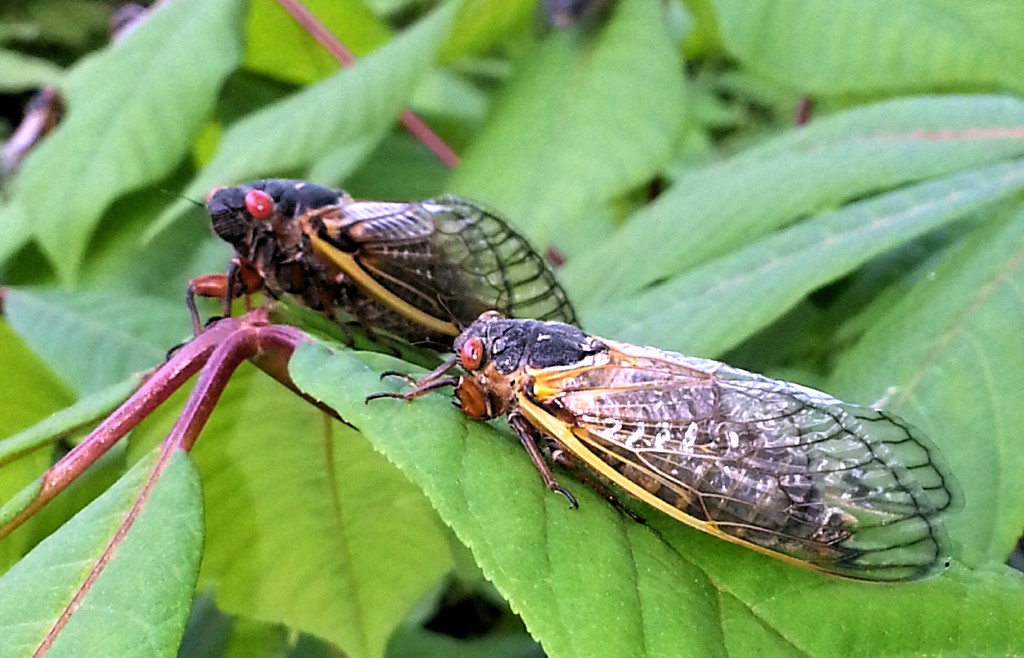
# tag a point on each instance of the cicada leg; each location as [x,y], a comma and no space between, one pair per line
[432,381]
[242,278]
[531,438]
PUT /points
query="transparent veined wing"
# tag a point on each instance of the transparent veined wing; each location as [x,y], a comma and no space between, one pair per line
[779,467]
[449,258]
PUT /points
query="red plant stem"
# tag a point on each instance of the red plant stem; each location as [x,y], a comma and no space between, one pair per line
[159,386]
[247,337]
[318,31]
[108,553]
[278,343]
[445,153]
[222,363]
[216,353]
[273,344]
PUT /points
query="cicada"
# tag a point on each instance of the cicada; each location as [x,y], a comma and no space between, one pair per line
[780,468]
[419,270]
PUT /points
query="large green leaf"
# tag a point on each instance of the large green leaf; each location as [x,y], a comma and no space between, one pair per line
[29,391]
[591,582]
[307,525]
[278,46]
[714,307]
[352,107]
[481,23]
[947,355]
[95,339]
[874,46]
[119,262]
[580,122]
[17,232]
[19,71]
[28,395]
[117,579]
[717,208]
[133,111]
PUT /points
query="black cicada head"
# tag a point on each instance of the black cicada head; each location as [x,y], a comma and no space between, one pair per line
[514,344]
[238,212]
[495,350]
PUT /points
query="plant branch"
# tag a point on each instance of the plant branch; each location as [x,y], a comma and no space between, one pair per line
[413,123]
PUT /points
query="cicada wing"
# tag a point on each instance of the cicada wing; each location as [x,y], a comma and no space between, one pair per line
[448,258]
[782,468]
[383,249]
[495,264]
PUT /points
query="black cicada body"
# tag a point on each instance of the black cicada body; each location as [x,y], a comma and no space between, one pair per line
[261,220]
[784,469]
[419,270]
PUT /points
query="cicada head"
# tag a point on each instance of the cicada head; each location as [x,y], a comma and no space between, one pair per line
[515,344]
[239,214]
[494,352]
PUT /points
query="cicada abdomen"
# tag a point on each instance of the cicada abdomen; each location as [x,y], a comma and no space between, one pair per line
[447,258]
[777,467]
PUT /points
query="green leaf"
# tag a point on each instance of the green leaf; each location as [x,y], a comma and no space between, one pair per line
[591,582]
[132,115]
[349,108]
[95,339]
[123,595]
[580,123]
[28,393]
[120,263]
[61,422]
[953,364]
[717,208]
[874,46]
[482,23]
[307,525]
[16,230]
[278,46]
[19,72]
[713,308]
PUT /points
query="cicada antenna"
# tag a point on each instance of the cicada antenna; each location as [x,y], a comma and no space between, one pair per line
[179,195]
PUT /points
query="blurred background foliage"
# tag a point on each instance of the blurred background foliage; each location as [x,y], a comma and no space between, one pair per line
[823,190]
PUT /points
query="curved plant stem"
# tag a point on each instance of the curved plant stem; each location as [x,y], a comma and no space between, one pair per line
[215,353]
[413,123]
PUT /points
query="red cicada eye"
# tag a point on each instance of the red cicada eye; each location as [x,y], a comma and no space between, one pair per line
[259,204]
[472,353]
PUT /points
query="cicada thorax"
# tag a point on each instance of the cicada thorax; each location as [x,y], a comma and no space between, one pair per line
[783,469]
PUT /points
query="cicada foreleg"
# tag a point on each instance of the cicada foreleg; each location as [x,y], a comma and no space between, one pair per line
[531,438]
[242,278]
[432,381]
